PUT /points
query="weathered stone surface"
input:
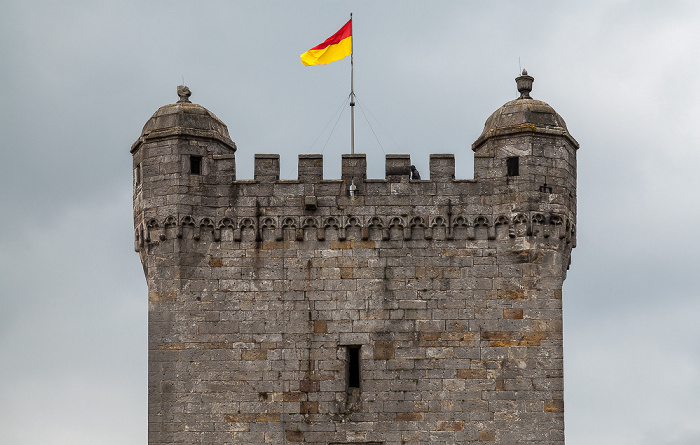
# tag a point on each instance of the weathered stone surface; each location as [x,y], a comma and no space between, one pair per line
[410,311]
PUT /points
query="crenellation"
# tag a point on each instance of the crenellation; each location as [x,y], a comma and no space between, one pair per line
[354,171]
[442,167]
[267,168]
[397,167]
[310,168]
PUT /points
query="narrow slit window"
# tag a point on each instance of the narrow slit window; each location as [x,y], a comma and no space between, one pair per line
[137,173]
[513,164]
[196,165]
[353,366]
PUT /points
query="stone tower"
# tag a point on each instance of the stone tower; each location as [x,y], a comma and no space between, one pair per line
[366,311]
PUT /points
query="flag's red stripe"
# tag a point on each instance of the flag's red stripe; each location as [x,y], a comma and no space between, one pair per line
[343,33]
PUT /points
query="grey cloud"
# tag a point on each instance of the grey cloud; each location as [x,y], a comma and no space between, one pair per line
[81,79]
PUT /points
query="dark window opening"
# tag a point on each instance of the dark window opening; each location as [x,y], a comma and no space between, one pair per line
[353,366]
[196,165]
[513,164]
[137,173]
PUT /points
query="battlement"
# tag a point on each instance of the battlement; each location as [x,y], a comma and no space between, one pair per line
[354,167]
[397,168]
[440,208]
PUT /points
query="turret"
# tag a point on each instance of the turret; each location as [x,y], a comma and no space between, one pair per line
[181,160]
[527,140]
[529,158]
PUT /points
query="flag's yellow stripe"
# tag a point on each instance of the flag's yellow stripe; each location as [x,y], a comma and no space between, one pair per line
[328,54]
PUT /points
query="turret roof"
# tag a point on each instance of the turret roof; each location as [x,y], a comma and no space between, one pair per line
[524,114]
[184,118]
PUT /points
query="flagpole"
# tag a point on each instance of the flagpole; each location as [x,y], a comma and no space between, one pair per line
[352,95]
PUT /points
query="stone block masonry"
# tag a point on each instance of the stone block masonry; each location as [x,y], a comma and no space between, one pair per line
[366,311]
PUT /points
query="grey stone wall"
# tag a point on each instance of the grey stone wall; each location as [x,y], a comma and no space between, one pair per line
[451,289]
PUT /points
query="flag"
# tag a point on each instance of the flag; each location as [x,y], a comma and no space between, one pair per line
[336,47]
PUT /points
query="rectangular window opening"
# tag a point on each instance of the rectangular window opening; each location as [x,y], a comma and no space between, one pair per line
[137,173]
[513,164]
[353,366]
[196,165]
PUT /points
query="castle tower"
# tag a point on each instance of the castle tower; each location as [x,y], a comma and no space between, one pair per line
[356,311]
[528,155]
[181,160]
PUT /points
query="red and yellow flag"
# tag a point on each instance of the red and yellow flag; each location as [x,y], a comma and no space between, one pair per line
[336,47]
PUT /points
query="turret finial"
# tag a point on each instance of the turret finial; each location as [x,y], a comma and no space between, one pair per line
[184,93]
[524,83]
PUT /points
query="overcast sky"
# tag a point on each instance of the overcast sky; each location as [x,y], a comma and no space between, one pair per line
[80,79]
